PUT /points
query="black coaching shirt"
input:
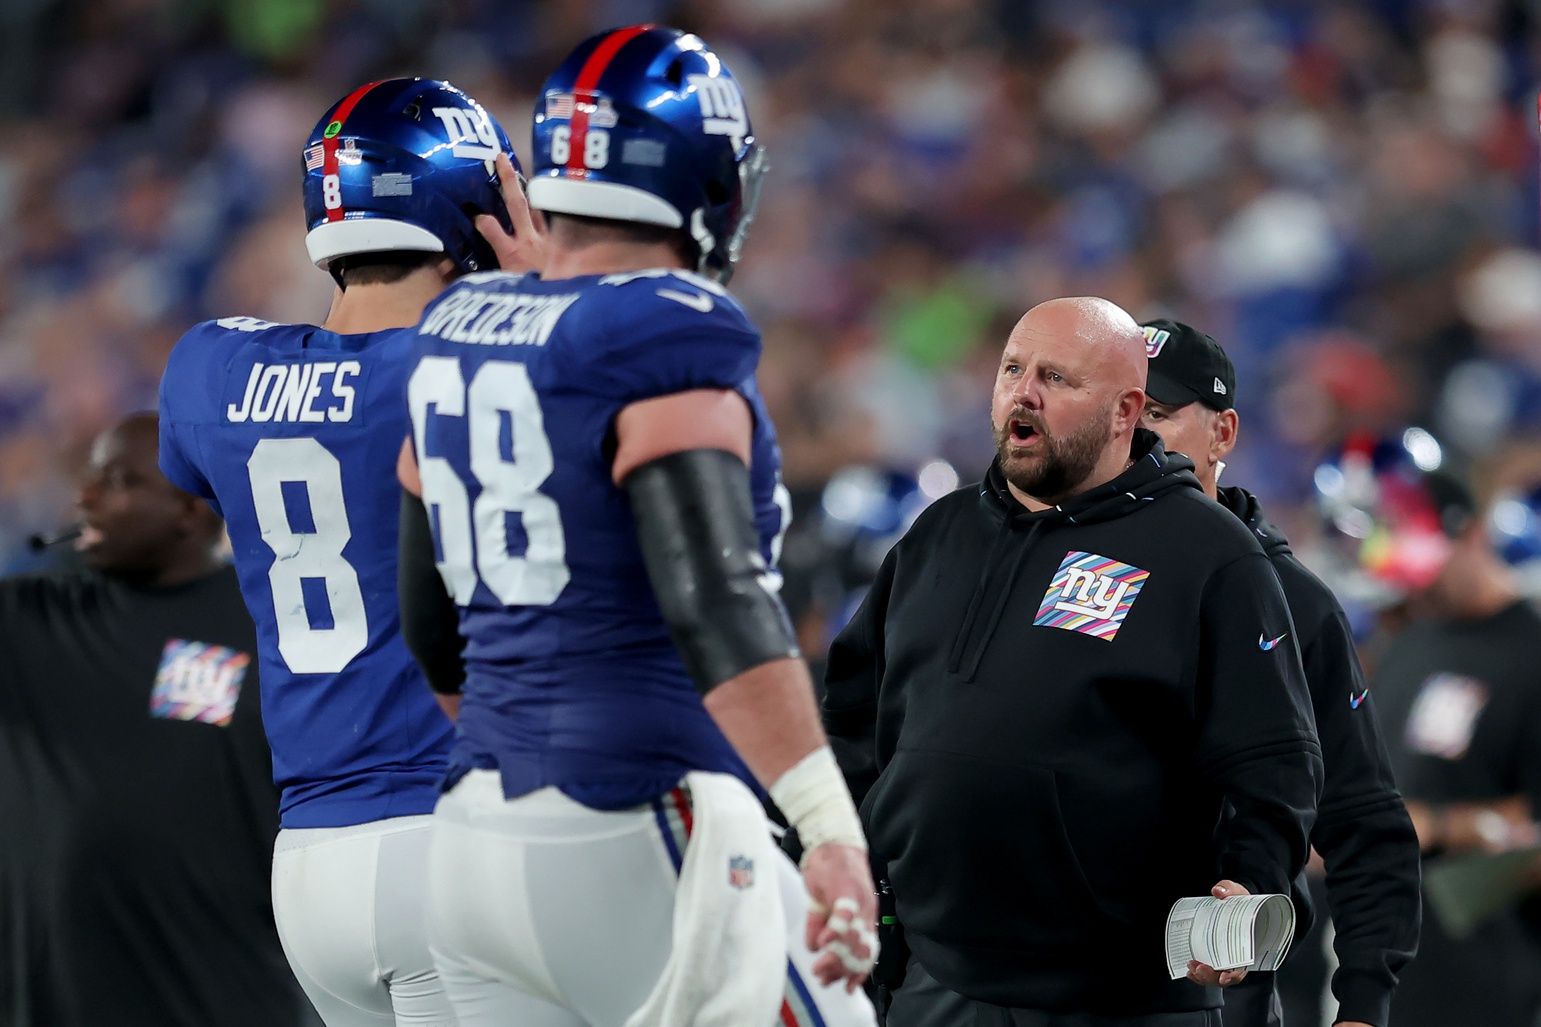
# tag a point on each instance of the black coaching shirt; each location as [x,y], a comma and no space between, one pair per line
[137,811]
[1460,704]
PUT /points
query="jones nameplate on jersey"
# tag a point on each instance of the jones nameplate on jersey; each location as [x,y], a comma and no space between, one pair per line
[312,392]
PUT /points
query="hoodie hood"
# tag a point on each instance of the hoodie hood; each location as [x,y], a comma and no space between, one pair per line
[1245,505]
[1153,472]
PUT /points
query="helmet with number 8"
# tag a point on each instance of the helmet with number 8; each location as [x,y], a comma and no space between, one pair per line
[403,164]
[646,124]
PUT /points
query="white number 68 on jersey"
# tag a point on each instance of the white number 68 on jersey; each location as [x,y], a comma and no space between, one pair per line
[508,486]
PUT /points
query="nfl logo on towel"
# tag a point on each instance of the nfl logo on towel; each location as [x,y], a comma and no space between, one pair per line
[740,871]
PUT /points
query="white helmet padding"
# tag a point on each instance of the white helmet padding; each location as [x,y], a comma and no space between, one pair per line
[333,239]
[607,200]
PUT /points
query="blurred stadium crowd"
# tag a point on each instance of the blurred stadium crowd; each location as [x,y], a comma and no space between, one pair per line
[1342,193]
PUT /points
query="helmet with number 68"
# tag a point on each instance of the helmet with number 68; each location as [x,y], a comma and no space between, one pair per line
[646,124]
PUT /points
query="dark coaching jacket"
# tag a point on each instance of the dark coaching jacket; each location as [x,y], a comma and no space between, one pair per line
[1043,715]
[1362,828]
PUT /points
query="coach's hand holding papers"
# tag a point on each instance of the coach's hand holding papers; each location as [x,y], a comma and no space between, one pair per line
[1216,939]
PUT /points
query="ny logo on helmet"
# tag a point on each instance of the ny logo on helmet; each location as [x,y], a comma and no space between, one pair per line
[722,107]
[470,131]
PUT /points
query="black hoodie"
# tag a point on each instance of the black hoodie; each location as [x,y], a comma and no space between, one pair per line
[1362,828]
[1042,716]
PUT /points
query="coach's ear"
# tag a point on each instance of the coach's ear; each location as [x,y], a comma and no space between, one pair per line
[1222,434]
[1128,411]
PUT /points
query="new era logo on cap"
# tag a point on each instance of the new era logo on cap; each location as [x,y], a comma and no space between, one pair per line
[1220,389]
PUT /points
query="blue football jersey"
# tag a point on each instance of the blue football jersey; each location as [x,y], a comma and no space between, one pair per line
[571,677]
[291,432]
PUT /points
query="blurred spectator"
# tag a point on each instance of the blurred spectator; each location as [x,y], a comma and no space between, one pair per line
[1460,703]
[1287,173]
[137,792]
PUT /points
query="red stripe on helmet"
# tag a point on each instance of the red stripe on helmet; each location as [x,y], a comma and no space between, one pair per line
[583,89]
[329,143]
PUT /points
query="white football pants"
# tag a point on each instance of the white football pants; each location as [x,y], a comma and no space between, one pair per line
[349,906]
[545,913]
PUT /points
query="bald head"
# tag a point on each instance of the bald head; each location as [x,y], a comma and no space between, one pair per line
[1103,330]
[1068,397]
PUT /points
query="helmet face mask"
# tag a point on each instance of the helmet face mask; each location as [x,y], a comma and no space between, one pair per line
[646,125]
[751,175]
[403,165]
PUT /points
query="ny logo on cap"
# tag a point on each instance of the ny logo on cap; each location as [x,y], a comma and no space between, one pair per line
[1155,338]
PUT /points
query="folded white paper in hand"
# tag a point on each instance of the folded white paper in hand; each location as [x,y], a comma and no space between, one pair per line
[1244,931]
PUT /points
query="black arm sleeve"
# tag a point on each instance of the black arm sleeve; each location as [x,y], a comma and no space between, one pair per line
[1363,833]
[430,621]
[695,522]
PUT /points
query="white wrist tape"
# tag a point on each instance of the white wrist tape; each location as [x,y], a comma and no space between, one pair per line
[813,796]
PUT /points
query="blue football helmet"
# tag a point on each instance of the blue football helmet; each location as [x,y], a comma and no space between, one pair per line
[403,164]
[646,124]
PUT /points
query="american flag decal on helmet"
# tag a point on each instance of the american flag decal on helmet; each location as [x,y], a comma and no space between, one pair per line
[600,109]
[315,156]
[559,105]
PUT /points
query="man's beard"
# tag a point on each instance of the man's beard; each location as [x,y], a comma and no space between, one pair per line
[1062,463]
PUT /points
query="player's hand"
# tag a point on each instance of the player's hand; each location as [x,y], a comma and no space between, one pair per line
[1199,973]
[842,921]
[525,249]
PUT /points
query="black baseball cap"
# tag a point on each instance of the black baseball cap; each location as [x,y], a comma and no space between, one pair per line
[1187,366]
